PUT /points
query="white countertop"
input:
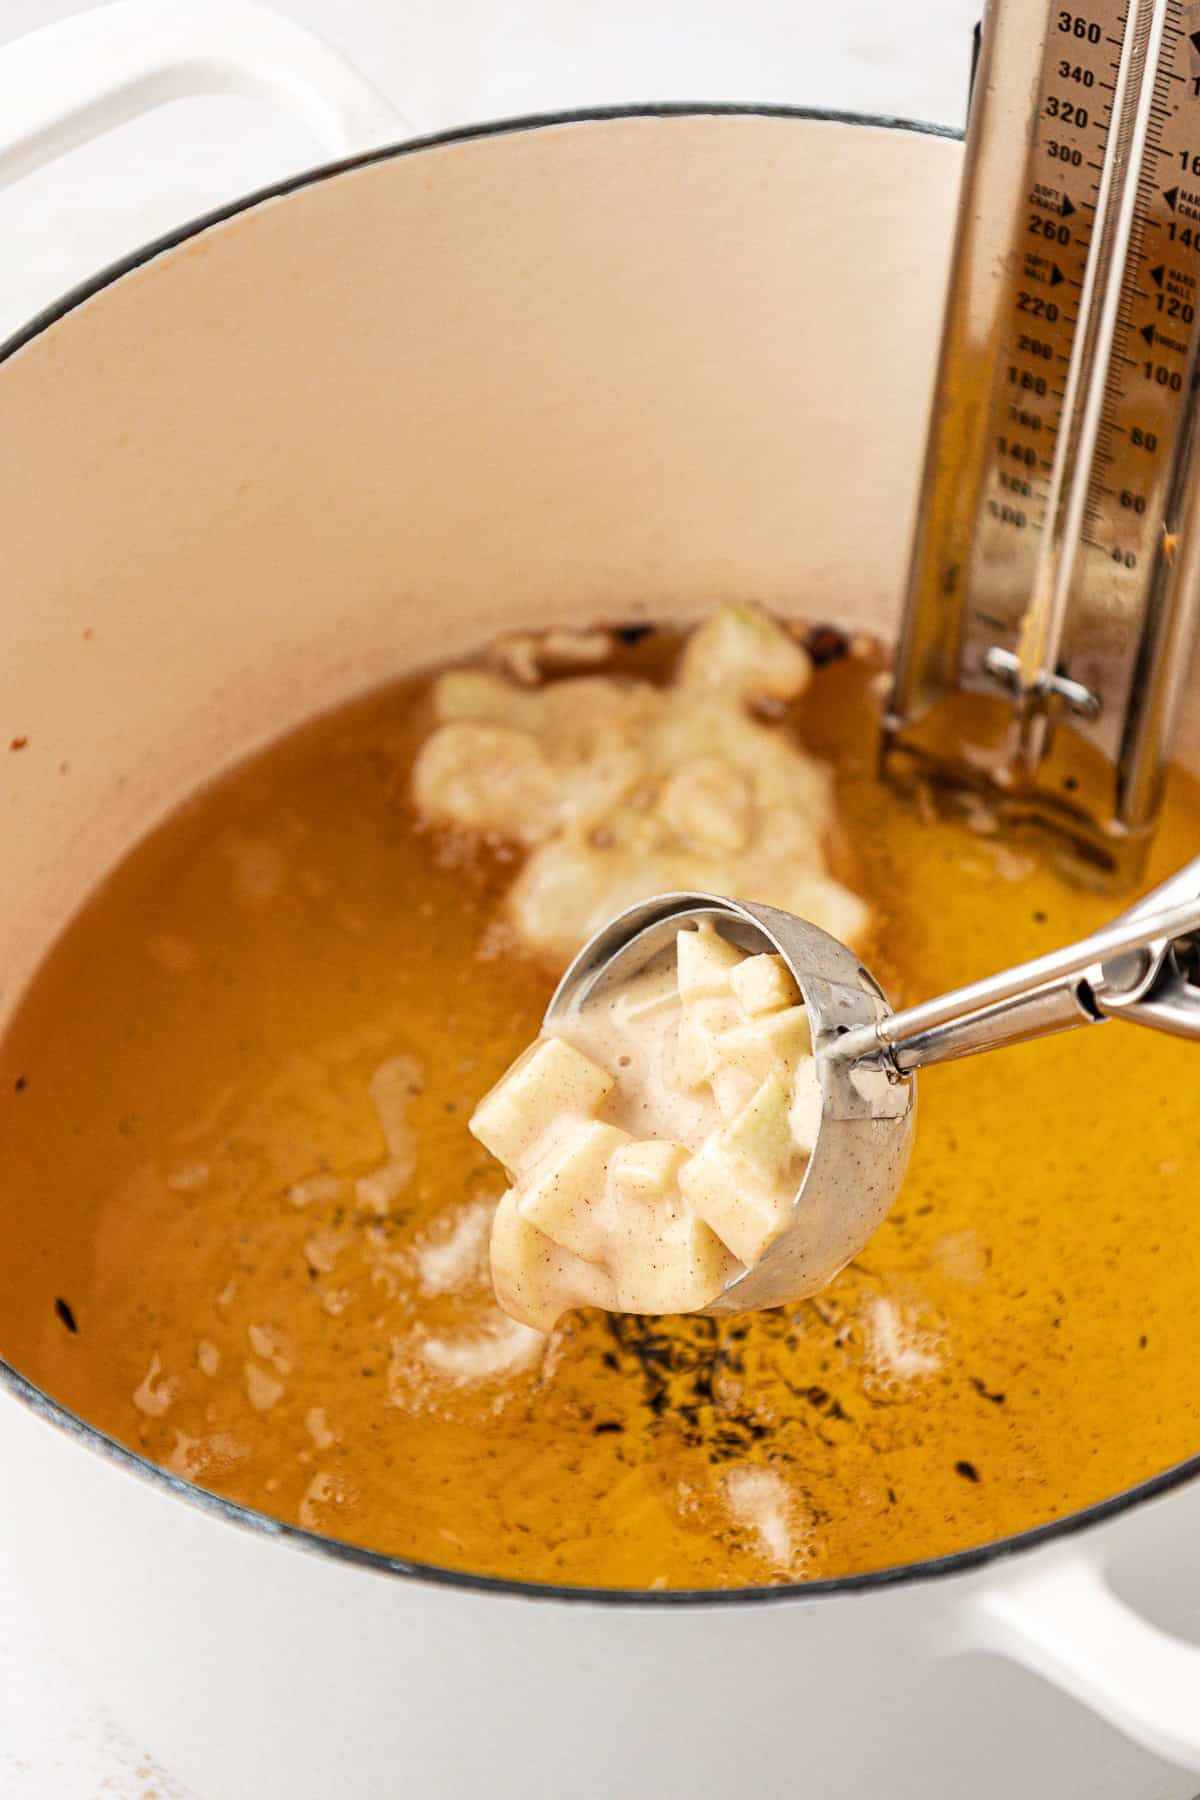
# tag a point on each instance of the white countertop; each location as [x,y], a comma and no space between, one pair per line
[444,62]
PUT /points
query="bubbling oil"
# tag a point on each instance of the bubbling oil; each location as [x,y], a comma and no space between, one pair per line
[245,1225]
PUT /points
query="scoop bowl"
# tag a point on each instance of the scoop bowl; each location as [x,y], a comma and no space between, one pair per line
[867,1112]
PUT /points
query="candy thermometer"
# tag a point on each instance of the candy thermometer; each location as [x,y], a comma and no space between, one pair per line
[1056,570]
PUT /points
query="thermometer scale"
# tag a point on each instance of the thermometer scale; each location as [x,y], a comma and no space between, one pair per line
[1056,571]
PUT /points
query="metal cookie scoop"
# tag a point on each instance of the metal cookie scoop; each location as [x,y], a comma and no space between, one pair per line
[1144,967]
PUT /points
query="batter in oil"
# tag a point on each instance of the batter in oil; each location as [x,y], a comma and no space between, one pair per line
[245,1225]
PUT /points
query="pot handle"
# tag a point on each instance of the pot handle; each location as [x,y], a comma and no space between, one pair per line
[1064,1623]
[86,74]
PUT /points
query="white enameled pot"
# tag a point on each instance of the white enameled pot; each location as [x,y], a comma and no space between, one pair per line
[544,371]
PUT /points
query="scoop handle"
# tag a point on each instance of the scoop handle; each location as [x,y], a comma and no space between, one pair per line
[1127,969]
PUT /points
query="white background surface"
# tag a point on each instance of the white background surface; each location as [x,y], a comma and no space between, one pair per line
[444,62]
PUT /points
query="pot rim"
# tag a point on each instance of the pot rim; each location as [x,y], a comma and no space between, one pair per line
[960,1562]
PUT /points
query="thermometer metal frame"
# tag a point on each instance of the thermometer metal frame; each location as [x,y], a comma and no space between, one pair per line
[1055,579]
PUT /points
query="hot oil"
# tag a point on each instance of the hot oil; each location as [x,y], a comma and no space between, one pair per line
[188,1262]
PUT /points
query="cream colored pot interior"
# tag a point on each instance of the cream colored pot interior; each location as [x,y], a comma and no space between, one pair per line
[602,369]
[593,370]
[606,369]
